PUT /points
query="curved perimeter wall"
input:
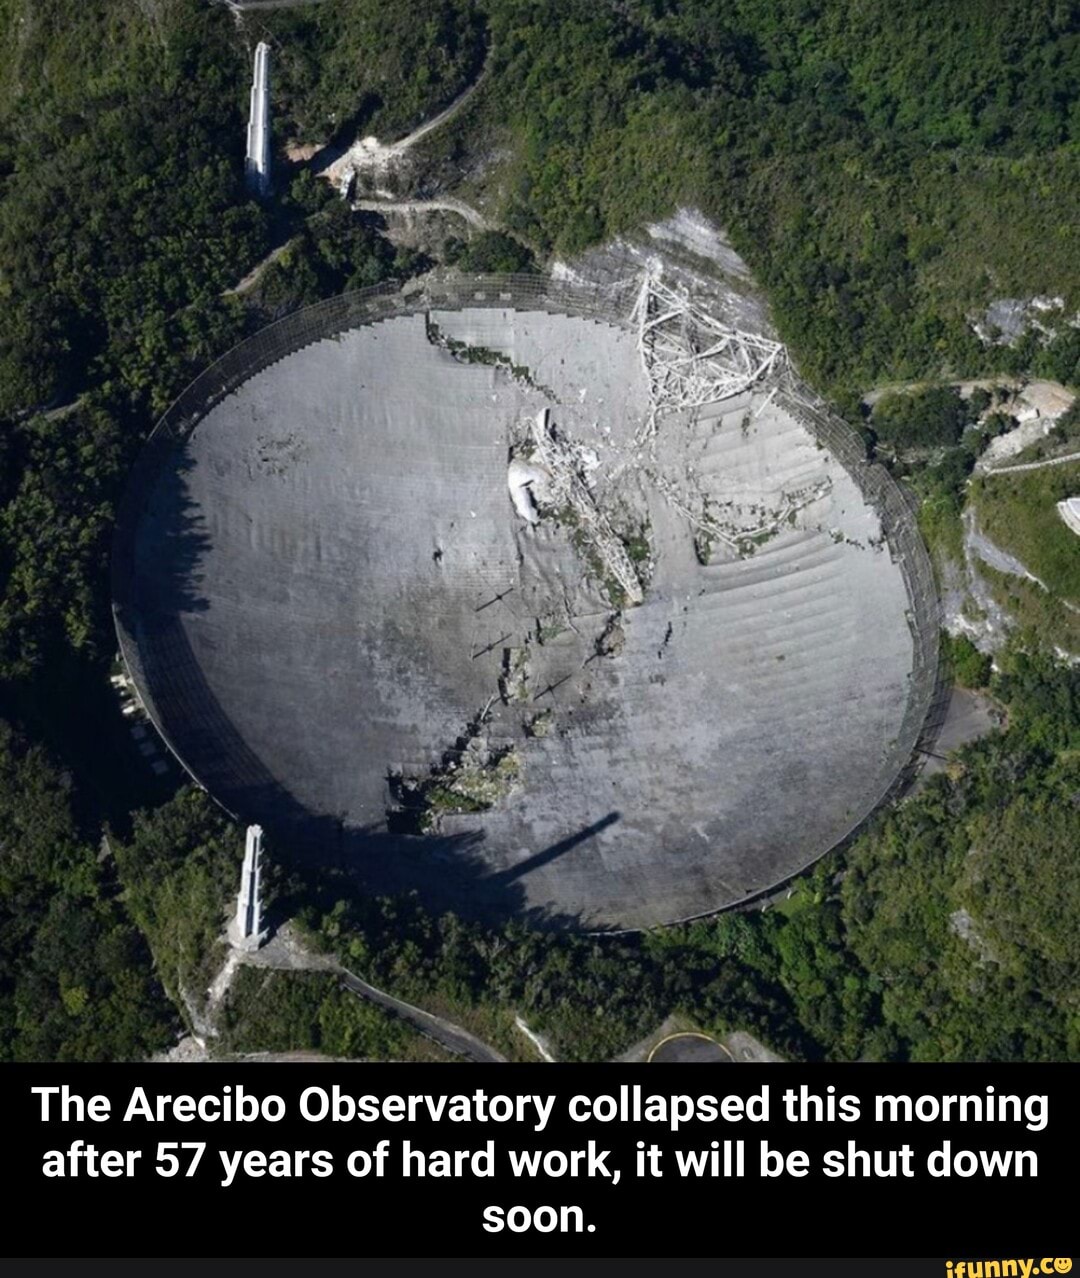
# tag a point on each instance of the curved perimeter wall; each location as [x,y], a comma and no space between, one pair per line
[613,304]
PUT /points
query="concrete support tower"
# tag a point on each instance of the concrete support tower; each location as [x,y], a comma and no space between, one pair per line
[257,163]
[245,932]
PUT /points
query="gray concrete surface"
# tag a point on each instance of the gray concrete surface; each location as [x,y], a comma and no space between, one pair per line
[970,715]
[328,580]
[740,1046]
[990,553]
[406,208]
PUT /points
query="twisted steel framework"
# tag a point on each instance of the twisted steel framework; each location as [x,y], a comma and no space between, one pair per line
[690,358]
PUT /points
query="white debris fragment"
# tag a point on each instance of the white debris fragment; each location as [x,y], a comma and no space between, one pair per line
[561,462]
[521,478]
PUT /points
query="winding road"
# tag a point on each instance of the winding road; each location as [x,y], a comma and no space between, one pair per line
[1035,465]
[286,951]
[368,153]
[448,1035]
[446,205]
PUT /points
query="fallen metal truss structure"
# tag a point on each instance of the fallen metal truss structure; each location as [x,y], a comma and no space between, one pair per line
[690,358]
[568,488]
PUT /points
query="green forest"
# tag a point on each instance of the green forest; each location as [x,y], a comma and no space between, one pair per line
[76,982]
[886,169]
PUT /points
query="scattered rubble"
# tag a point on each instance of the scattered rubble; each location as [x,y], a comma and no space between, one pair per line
[472,776]
[1007,319]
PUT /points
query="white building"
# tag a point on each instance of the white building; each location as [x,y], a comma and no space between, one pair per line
[1069,510]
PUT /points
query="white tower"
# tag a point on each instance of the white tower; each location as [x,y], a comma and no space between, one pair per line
[257,163]
[245,931]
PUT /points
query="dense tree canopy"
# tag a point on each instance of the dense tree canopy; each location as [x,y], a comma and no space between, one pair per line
[936,416]
[75,978]
[267,1011]
[364,66]
[884,167]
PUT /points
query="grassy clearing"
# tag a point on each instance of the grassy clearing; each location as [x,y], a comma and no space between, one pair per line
[1034,610]
[802,898]
[943,531]
[1019,513]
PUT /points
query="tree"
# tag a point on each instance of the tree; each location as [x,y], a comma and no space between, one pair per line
[929,418]
[970,667]
[75,975]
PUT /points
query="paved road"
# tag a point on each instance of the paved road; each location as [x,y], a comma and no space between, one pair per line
[452,1037]
[447,205]
[368,154]
[252,277]
[1036,465]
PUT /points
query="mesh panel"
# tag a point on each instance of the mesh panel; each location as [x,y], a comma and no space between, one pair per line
[613,303]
